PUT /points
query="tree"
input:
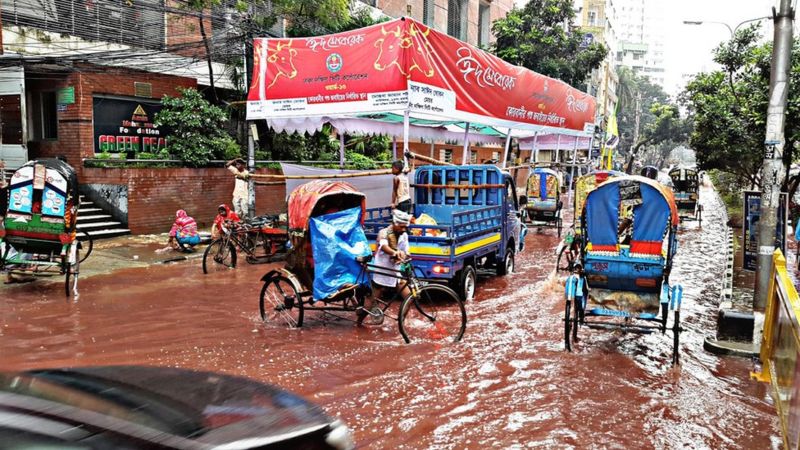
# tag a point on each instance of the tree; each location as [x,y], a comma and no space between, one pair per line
[664,133]
[630,87]
[542,37]
[198,128]
[729,109]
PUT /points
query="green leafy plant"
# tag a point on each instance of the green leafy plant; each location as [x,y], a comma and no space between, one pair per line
[198,131]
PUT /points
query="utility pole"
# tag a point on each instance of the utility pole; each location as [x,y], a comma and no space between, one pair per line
[251,147]
[772,171]
[637,117]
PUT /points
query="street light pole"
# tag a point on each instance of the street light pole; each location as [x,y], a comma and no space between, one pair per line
[732,31]
[772,172]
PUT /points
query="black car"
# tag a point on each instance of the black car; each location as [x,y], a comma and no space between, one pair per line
[134,407]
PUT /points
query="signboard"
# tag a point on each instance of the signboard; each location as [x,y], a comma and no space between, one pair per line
[126,126]
[66,96]
[752,211]
[403,64]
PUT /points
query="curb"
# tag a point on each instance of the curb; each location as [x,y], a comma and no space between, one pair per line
[729,348]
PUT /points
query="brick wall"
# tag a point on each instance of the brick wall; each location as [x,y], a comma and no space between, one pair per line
[75,129]
[155,194]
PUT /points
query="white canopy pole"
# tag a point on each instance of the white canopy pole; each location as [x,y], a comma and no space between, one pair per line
[572,172]
[508,144]
[394,147]
[341,150]
[405,137]
[466,145]
[558,145]
[536,147]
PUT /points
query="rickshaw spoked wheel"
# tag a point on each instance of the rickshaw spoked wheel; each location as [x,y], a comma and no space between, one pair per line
[436,313]
[568,323]
[676,340]
[219,256]
[87,243]
[280,302]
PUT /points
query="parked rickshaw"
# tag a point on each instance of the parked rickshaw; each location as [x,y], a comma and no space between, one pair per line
[543,203]
[622,281]
[686,187]
[39,235]
[328,271]
[569,249]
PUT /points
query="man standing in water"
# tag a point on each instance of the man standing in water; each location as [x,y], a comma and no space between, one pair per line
[401,194]
[240,193]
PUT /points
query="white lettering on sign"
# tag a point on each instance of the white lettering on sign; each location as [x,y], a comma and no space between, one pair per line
[334,42]
[470,67]
[576,105]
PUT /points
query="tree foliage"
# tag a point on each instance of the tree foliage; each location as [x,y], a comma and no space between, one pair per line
[629,88]
[729,108]
[542,37]
[198,128]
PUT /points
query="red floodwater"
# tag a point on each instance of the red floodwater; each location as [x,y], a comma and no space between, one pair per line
[508,384]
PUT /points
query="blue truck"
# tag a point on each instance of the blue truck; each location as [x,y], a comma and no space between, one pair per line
[478,227]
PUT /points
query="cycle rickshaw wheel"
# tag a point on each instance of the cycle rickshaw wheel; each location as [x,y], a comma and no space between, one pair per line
[219,256]
[280,302]
[86,244]
[436,313]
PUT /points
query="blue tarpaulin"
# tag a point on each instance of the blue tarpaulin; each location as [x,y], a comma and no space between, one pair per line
[602,214]
[336,240]
[650,219]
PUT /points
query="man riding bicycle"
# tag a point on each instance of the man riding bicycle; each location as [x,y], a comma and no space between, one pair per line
[392,250]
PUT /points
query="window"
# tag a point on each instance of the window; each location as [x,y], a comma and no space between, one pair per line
[484,24]
[473,157]
[457,18]
[10,120]
[427,12]
[446,155]
[43,116]
[592,18]
[496,156]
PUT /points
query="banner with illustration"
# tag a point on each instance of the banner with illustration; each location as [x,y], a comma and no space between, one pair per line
[752,214]
[403,64]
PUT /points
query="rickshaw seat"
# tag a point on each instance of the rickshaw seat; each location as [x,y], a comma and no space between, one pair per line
[345,291]
[543,205]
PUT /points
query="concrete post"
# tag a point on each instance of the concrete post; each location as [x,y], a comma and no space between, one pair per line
[466,145]
[773,172]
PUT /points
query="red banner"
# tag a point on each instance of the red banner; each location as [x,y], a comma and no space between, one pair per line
[401,65]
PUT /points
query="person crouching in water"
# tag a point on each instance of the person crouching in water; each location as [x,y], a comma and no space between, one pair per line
[183,235]
[225,218]
[392,251]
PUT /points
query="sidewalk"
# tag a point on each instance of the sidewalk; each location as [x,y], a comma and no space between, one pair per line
[124,252]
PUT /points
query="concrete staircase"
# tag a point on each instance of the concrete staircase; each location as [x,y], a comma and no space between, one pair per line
[98,223]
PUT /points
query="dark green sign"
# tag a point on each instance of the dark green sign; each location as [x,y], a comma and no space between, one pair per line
[66,96]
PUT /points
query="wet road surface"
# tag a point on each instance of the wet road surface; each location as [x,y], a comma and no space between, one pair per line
[508,384]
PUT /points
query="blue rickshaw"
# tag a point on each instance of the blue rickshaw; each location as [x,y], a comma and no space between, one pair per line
[622,281]
[542,201]
[686,187]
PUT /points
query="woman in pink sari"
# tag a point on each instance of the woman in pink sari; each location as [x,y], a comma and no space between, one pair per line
[183,235]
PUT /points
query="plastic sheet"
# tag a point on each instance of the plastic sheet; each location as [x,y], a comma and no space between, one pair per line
[336,240]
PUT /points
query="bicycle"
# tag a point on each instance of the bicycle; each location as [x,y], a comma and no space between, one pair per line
[429,312]
[251,239]
[569,252]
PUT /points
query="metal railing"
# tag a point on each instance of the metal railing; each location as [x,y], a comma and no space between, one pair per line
[780,350]
[105,162]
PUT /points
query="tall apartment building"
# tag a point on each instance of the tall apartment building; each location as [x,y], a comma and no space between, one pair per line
[468,20]
[642,34]
[596,19]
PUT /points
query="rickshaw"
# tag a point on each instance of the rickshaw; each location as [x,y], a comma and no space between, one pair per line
[259,239]
[39,235]
[622,280]
[543,204]
[686,187]
[569,248]
[328,271]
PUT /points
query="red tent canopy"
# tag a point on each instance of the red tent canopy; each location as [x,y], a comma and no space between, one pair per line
[403,65]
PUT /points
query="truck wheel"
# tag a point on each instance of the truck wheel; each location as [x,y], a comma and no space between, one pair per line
[465,283]
[507,265]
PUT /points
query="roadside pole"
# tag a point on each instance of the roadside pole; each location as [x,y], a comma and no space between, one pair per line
[251,168]
[773,172]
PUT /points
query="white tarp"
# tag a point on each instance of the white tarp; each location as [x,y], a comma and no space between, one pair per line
[377,188]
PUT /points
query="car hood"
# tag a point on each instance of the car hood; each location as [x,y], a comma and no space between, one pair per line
[177,407]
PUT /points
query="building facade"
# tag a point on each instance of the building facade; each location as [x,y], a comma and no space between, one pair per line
[467,20]
[642,34]
[596,20]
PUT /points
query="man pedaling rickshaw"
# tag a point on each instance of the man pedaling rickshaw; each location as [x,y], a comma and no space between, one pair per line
[392,250]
